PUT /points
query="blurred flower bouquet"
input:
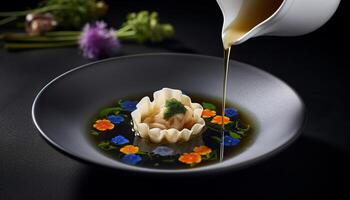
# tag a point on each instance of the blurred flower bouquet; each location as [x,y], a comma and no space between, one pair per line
[55,23]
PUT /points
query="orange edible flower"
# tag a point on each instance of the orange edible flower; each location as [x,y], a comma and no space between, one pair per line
[103,125]
[190,158]
[129,149]
[218,120]
[202,150]
[208,113]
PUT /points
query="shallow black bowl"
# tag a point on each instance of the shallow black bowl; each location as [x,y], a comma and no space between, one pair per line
[62,109]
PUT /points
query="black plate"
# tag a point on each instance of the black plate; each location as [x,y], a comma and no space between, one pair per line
[62,109]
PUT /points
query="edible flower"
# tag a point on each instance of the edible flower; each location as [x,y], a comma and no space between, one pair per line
[129,105]
[119,140]
[190,158]
[163,151]
[208,113]
[218,120]
[230,141]
[131,159]
[129,149]
[115,119]
[103,125]
[98,42]
[231,112]
[202,150]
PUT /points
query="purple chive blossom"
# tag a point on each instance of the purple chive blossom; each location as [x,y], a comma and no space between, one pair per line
[98,42]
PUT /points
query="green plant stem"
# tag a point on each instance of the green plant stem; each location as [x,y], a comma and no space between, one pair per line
[62,33]
[16,41]
[56,36]
[124,29]
[19,38]
[125,35]
[25,36]
[38,10]
[17,46]
[7,20]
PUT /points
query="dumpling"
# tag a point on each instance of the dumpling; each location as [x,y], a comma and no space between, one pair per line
[178,121]
[171,117]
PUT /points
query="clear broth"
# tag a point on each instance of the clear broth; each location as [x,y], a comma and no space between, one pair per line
[151,160]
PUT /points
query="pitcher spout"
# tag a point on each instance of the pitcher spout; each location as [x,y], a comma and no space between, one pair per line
[245,19]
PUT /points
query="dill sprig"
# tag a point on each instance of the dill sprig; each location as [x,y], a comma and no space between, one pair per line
[173,107]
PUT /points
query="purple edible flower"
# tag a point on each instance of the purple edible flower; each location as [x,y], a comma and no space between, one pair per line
[98,42]
[163,151]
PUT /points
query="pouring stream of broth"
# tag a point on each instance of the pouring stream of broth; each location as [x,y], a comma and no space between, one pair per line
[252,13]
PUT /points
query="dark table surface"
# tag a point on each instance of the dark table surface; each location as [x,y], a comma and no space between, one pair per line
[316,165]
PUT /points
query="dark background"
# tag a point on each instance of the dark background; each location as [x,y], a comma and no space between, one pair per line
[316,65]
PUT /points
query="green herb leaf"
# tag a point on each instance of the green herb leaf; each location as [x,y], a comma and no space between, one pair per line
[173,107]
[73,14]
[208,106]
[235,135]
[206,157]
[106,146]
[229,126]
[216,138]
[111,110]
[92,132]
[193,165]
[213,155]
[241,128]
[144,26]
[210,156]
[141,153]
[245,129]
[168,161]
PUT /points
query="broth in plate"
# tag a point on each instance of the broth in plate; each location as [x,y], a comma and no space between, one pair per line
[112,132]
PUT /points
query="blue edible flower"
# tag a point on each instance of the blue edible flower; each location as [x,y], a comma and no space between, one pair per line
[163,151]
[230,141]
[119,140]
[115,119]
[231,112]
[129,105]
[131,159]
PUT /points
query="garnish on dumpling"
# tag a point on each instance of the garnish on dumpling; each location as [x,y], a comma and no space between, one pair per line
[171,117]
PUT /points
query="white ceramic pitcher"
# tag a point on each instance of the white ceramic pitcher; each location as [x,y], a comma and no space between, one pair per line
[293,17]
